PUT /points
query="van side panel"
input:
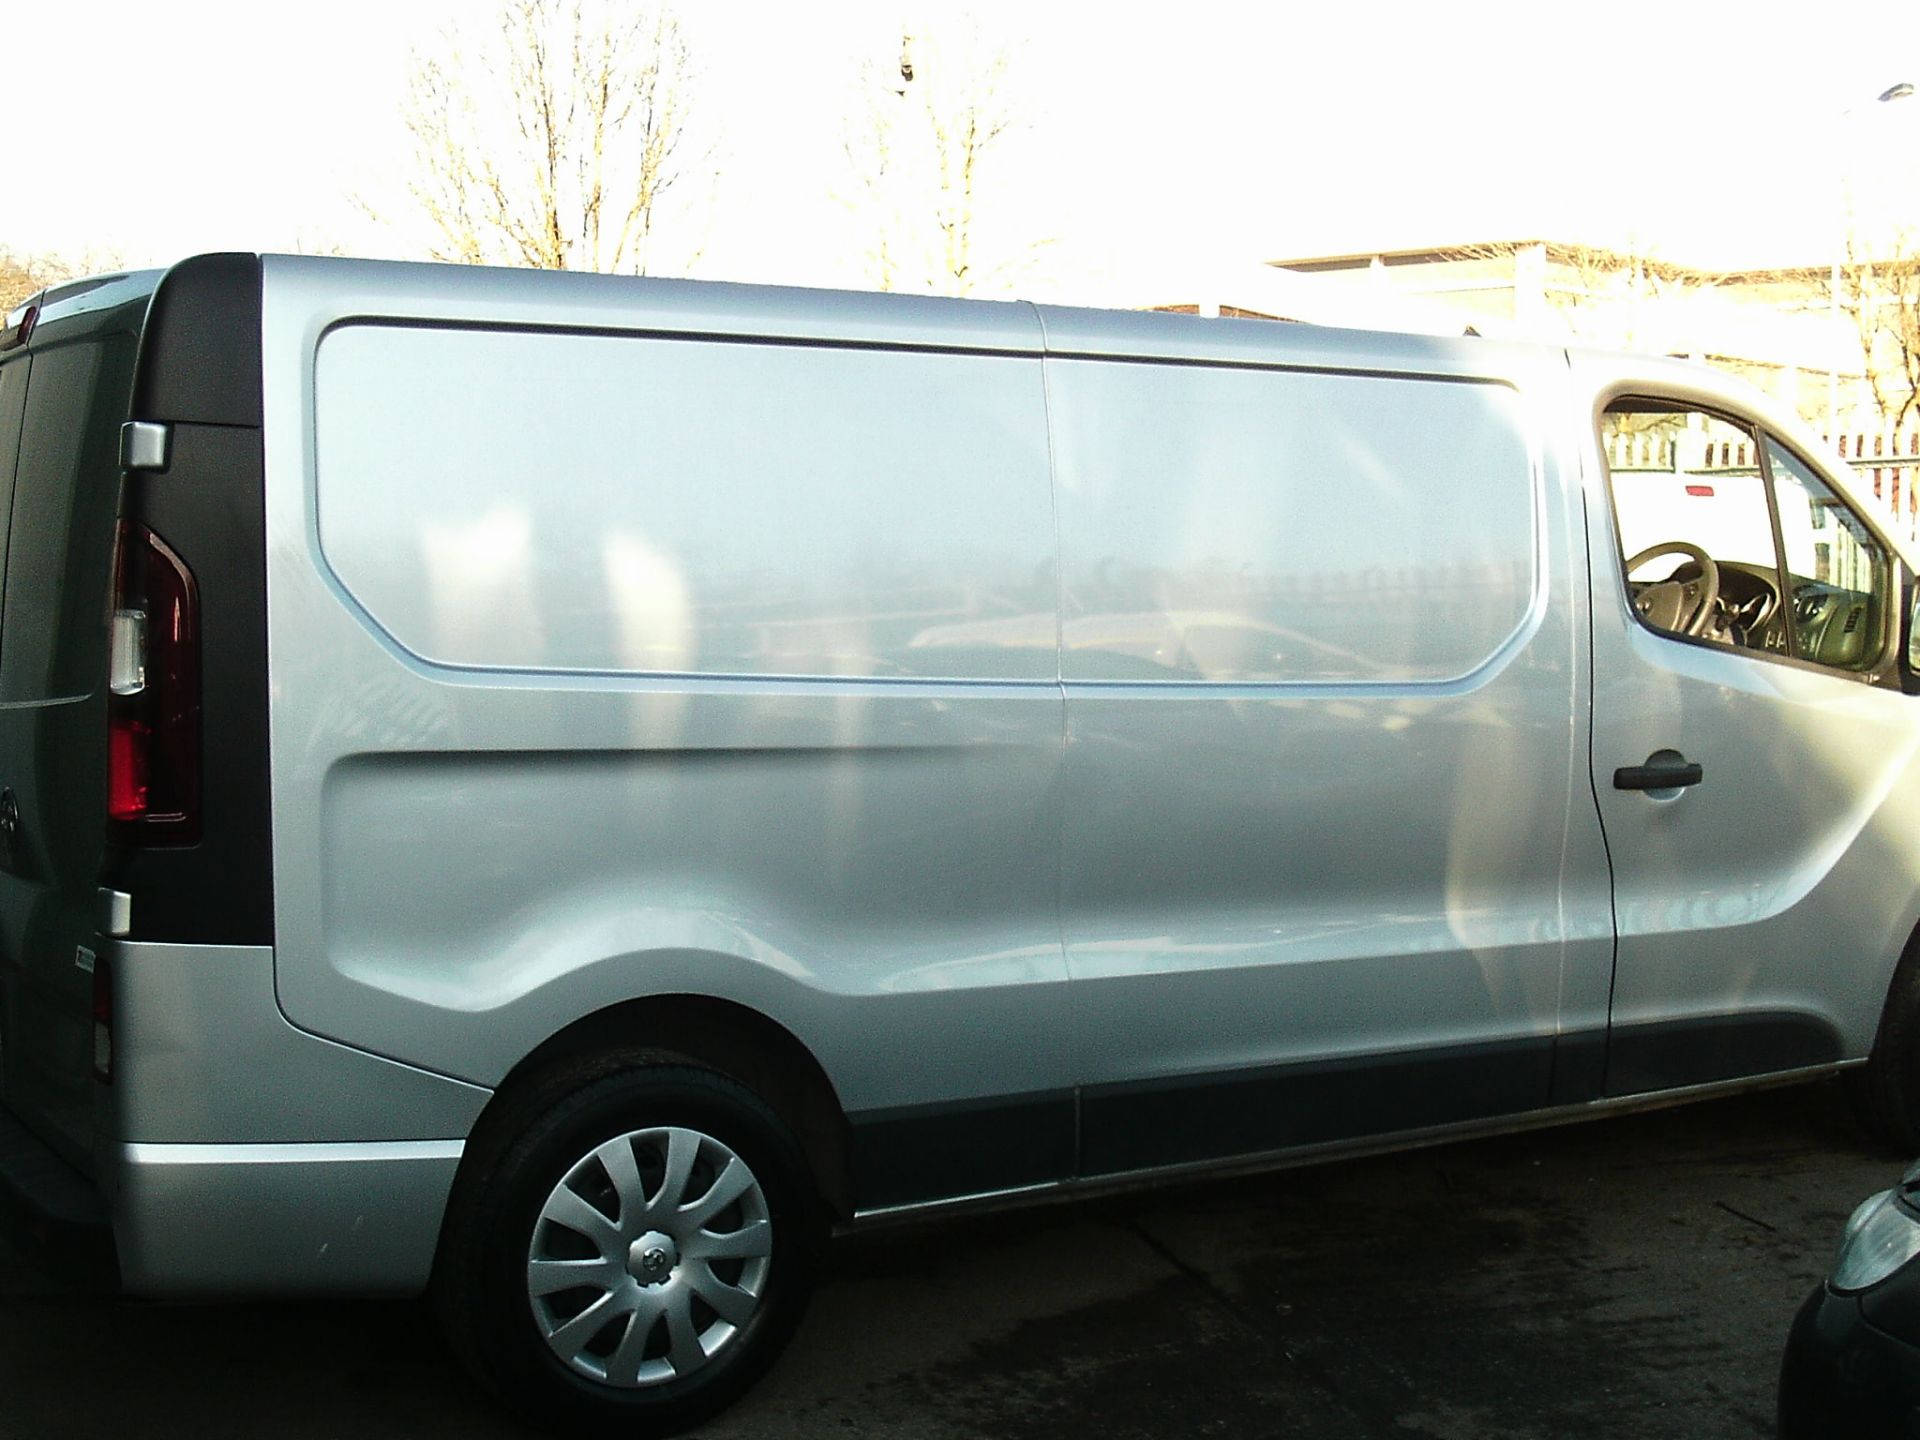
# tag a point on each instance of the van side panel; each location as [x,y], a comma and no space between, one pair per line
[806,759]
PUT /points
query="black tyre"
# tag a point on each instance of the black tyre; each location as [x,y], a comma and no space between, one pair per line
[1885,1092]
[631,1248]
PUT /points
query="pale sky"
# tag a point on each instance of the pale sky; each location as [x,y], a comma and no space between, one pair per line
[1717,133]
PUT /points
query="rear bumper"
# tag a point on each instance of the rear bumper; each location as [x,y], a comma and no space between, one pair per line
[276,1220]
[234,1220]
[241,1157]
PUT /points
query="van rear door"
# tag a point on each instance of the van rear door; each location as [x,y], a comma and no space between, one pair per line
[13,405]
[71,387]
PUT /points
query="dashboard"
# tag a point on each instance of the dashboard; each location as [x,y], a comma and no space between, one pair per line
[1830,624]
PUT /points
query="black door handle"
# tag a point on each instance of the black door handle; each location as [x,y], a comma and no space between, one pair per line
[1658,774]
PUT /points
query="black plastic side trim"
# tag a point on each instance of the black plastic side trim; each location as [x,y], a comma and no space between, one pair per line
[200,352]
[1579,1067]
[199,373]
[1669,1054]
[209,508]
[932,1152]
[927,1153]
[1138,1126]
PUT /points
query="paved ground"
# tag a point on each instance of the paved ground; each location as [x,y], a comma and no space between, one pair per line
[1632,1278]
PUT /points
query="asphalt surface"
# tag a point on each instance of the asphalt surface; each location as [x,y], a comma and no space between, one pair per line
[1631,1277]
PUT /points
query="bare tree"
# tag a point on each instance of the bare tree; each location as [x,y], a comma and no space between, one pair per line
[871,147]
[1605,296]
[1880,292]
[553,142]
[23,275]
[920,150]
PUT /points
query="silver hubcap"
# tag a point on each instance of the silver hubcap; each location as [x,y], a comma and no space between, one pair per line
[649,1257]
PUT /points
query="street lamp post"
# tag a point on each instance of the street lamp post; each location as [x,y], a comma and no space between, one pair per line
[1899,91]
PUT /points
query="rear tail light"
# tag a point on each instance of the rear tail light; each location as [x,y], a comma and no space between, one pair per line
[153,700]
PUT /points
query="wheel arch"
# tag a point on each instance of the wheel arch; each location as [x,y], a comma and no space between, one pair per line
[723,1035]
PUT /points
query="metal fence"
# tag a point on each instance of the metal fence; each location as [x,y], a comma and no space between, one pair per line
[1885,466]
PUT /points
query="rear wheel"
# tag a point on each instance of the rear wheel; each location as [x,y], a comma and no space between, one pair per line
[635,1254]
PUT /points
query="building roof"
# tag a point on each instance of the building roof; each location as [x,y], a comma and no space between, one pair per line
[1262,290]
[1562,249]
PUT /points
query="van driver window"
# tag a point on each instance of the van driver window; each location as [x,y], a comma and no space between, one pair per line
[1836,570]
[1696,536]
[1698,539]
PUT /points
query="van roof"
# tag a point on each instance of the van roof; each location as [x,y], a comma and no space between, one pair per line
[96,292]
[324,289]
[58,306]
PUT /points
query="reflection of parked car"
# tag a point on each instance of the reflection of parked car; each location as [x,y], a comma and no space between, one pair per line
[1852,1366]
[556,789]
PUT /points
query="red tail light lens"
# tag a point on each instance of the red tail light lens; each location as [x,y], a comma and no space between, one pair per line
[129,742]
[153,701]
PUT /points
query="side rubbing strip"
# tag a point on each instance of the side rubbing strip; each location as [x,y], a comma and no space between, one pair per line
[933,1152]
[1138,1126]
[361,1153]
[1702,1049]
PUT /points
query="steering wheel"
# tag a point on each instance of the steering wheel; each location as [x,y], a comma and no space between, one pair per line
[1682,606]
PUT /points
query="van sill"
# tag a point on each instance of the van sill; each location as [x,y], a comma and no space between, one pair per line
[1298,1157]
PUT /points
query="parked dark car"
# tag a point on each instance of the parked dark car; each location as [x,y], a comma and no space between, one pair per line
[1852,1366]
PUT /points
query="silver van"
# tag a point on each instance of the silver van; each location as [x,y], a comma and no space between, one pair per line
[561,790]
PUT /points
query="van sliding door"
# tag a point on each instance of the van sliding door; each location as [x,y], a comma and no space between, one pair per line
[1328,844]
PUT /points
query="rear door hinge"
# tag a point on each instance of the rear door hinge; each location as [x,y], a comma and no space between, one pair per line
[116,911]
[144,445]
